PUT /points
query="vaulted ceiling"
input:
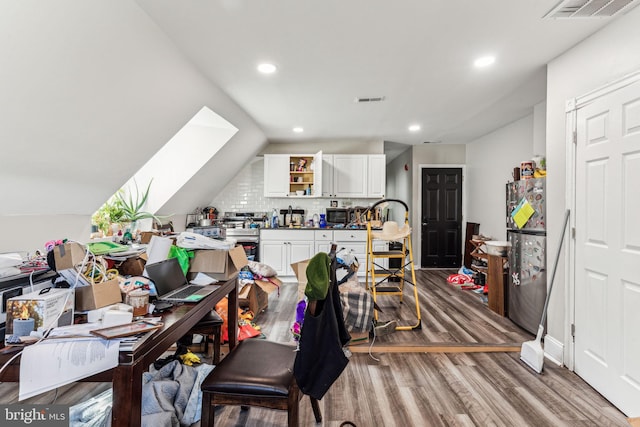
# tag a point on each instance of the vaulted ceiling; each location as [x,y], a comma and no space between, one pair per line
[418,55]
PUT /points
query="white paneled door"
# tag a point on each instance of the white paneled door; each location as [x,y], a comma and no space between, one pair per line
[607,246]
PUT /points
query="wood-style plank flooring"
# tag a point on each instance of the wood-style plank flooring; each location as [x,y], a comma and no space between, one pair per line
[450,387]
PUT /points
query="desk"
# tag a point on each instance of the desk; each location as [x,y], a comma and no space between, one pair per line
[127,376]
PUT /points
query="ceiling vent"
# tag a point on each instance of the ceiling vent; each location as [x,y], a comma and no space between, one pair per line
[569,9]
[374,99]
[432,142]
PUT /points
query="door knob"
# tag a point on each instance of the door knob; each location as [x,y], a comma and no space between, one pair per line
[425,223]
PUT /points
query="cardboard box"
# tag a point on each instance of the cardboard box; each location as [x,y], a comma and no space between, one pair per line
[359,338]
[133,266]
[300,270]
[98,295]
[145,236]
[219,264]
[41,308]
[255,296]
[68,255]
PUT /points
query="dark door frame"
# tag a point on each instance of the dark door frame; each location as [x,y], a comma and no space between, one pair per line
[417,216]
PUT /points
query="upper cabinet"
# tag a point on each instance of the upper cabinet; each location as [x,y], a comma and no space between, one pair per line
[276,175]
[376,175]
[327,176]
[354,176]
[331,175]
[350,175]
[293,175]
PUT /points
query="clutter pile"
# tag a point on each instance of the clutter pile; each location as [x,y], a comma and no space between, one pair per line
[467,279]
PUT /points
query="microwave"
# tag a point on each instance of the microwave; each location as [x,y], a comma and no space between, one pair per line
[337,216]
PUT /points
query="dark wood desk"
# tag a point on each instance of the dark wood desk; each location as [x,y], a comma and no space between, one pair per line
[127,376]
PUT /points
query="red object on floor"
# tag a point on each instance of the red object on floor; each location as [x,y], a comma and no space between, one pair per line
[486,289]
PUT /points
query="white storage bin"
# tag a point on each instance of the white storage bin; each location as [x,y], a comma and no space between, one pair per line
[497,247]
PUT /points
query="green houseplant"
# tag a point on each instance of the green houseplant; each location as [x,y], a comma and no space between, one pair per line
[109,213]
[132,205]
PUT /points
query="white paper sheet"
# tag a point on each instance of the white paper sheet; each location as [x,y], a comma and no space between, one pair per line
[203,279]
[54,363]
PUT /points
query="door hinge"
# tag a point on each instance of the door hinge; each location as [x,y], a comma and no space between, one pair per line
[573,232]
[575,137]
[573,331]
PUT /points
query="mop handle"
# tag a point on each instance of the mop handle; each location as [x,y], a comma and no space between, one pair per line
[555,266]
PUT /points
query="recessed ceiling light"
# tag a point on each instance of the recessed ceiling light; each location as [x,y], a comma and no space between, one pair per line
[414,128]
[267,68]
[484,61]
[298,129]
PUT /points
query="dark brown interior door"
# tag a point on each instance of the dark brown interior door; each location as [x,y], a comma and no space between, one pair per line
[441,217]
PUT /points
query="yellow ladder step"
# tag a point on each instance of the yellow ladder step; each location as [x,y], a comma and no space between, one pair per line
[388,254]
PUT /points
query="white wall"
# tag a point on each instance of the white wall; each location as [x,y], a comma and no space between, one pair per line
[607,55]
[90,91]
[490,163]
[400,185]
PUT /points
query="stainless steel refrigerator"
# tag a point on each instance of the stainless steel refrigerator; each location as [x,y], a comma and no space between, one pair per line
[527,255]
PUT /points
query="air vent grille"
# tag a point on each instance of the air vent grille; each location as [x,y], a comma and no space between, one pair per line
[371,99]
[569,9]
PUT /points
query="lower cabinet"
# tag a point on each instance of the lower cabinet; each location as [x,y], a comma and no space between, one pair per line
[281,248]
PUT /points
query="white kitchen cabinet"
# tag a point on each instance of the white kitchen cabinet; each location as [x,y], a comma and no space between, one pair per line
[276,175]
[376,175]
[286,175]
[327,176]
[350,175]
[279,248]
[323,239]
[356,242]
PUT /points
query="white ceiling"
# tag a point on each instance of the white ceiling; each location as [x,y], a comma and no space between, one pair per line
[418,54]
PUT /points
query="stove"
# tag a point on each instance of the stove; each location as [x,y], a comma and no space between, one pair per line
[244,227]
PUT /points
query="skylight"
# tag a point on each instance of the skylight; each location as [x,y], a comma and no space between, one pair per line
[182,157]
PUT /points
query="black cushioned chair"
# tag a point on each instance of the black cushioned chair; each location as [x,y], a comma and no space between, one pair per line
[210,326]
[260,373]
[256,373]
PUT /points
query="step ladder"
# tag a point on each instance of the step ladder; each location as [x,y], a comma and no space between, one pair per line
[384,280]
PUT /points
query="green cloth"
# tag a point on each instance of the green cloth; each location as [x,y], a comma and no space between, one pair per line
[318,277]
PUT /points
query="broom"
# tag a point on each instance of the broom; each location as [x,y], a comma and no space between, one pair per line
[531,352]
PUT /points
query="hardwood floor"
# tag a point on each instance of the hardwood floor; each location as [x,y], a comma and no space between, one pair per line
[439,380]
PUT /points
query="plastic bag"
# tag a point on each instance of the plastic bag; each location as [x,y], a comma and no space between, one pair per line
[182,255]
[222,308]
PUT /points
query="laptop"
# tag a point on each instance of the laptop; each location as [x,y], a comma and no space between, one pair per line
[172,285]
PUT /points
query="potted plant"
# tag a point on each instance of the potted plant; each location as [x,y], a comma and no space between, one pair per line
[132,205]
[109,214]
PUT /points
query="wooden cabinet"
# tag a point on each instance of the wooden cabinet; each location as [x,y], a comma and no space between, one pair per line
[497,281]
[293,175]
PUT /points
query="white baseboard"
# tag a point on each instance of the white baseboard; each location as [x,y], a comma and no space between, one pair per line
[554,350]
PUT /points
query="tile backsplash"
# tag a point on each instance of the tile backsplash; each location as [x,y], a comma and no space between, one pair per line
[245,193]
